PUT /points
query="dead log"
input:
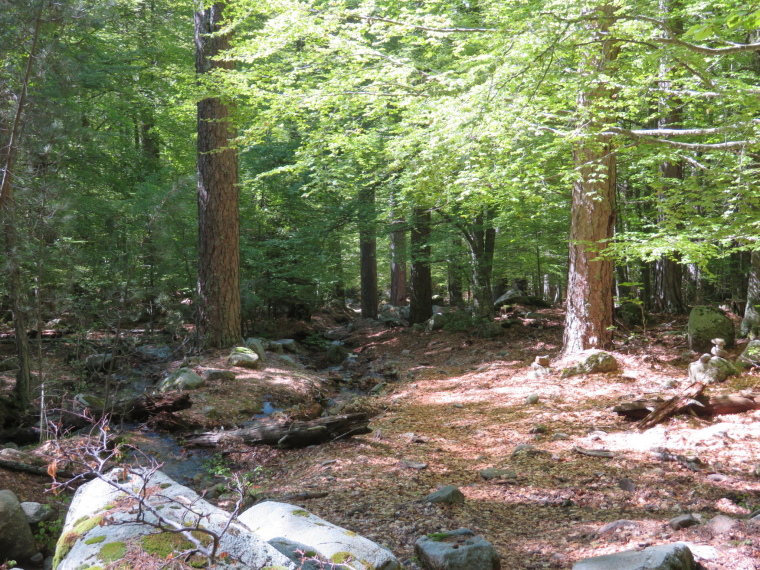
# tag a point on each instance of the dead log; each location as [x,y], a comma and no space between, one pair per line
[637,409]
[145,406]
[703,405]
[672,406]
[289,434]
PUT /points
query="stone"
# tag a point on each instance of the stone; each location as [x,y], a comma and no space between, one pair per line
[627,485]
[244,358]
[289,345]
[526,450]
[706,323]
[615,525]
[84,537]
[631,314]
[751,355]
[456,550]
[182,379]
[98,362]
[538,371]
[494,473]
[155,352]
[271,521]
[411,464]
[683,521]
[592,362]
[213,374]
[720,524]
[664,557]
[37,512]
[257,346]
[711,369]
[543,360]
[448,495]
[532,399]
[16,539]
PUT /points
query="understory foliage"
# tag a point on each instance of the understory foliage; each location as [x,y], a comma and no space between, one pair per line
[467,109]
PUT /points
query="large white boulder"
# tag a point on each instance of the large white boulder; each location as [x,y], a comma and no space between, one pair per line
[284,525]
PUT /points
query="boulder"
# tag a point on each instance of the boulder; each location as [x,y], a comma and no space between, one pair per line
[592,362]
[706,323]
[710,370]
[100,523]
[751,355]
[98,362]
[213,374]
[456,550]
[631,314]
[182,379]
[394,316]
[16,539]
[37,512]
[496,473]
[245,358]
[271,521]
[289,345]
[664,557]
[448,495]
[336,353]
[257,346]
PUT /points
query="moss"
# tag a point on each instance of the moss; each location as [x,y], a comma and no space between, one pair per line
[163,544]
[438,536]
[87,525]
[95,539]
[64,546]
[341,557]
[81,520]
[349,533]
[112,551]
[109,506]
[165,485]
[301,513]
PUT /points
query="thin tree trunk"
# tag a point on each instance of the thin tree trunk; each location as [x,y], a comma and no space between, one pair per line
[589,317]
[398,263]
[421,305]
[456,294]
[218,196]
[481,238]
[751,322]
[368,253]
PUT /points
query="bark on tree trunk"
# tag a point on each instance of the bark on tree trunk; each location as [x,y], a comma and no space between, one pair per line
[751,321]
[218,195]
[368,253]
[589,316]
[398,263]
[456,294]
[421,305]
[481,238]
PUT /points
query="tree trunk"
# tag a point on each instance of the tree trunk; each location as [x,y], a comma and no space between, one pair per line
[368,253]
[218,194]
[454,273]
[751,321]
[668,285]
[481,237]
[589,317]
[421,306]
[398,263]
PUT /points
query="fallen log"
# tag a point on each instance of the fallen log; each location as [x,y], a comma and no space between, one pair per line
[288,434]
[704,406]
[672,406]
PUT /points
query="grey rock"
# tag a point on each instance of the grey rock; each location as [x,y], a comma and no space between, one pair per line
[287,358]
[245,358]
[16,539]
[411,464]
[98,362]
[525,450]
[592,362]
[448,495]
[257,346]
[275,347]
[494,473]
[532,399]
[182,379]
[456,550]
[721,524]
[538,371]
[711,369]
[706,323]
[289,345]
[213,374]
[703,551]
[614,525]
[37,512]
[751,355]
[627,485]
[683,521]
[336,353]
[155,352]
[664,557]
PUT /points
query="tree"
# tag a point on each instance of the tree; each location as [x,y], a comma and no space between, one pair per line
[218,193]
[368,252]
[421,303]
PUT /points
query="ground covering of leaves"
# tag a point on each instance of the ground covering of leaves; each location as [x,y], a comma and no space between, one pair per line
[456,404]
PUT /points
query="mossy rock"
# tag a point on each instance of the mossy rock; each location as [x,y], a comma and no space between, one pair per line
[64,545]
[162,544]
[95,539]
[112,551]
[706,323]
[341,557]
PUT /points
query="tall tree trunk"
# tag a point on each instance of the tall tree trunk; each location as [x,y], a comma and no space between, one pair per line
[421,305]
[398,263]
[751,322]
[454,274]
[589,317]
[368,253]
[218,195]
[481,237]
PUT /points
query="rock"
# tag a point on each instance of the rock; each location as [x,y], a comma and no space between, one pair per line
[100,523]
[155,352]
[289,345]
[711,369]
[182,379]
[664,557]
[751,355]
[16,539]
[37,512]
[456,550]
[514,296]
[448,495]
[703,551]
[8,364]
[720,524]
[683,521]
[538,371]
[592,362]
[411,464]
[271,521]
[244,358]
[336,353]
[257,346]
[289,359]
[275,347]
[706,323]
[494,473]
[488,329]
[614,525]
[98,362]
[631,314]
[543,360]
[532,399]
[393,316]
[525,450]
[627,485]
[213,374]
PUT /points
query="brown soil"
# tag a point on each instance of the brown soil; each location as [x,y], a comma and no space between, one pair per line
[459,406]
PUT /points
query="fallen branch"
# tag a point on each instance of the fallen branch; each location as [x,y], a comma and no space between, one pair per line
[289,434]
[672,406]
[594,452]
[702,406]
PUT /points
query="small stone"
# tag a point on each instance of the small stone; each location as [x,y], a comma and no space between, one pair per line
[494,473]
[559,436]
[683,521]
[448,495]
[37,512]
[614,525]
[410,463]
[627,485]
[543,360]
[532,399]
[212,374]
[721,524]
[539,428]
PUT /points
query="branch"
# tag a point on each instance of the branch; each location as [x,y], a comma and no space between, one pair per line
[371,19]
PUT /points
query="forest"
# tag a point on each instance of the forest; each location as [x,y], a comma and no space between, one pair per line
[397,243]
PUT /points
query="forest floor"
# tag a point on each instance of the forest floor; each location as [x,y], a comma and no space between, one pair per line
[458,405]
